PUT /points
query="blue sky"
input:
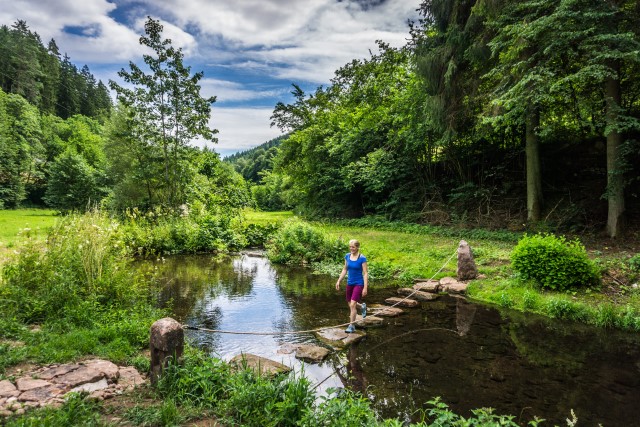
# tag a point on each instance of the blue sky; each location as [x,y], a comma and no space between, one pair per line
[250,51]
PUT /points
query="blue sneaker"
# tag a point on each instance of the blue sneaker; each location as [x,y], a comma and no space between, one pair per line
[364,310]
[350,329]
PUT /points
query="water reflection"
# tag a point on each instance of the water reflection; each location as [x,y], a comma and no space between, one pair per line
[471,355]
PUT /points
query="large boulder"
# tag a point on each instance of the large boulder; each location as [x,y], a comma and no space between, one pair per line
[467,269]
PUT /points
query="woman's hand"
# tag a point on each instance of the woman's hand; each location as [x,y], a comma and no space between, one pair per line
[364,291]
[338,285]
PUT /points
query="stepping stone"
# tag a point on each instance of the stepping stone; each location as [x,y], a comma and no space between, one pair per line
[402,302]
[417,295]
[455,288]
[380,310]
[262,365]
[311,353]
[428,286]
[287,348]
[369,321]
[447,281]
[338,338]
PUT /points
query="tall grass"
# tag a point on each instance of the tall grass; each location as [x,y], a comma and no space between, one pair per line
[80,290]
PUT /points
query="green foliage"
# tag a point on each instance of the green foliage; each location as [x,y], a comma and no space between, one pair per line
[160,232]
[165,112]
[634,263]
[345,409]
[297,242]
[75,412]
[257,235]
[73,184]
[554,263]
[38,74]
[83,264]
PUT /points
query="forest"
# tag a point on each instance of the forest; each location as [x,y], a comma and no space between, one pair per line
[495,114]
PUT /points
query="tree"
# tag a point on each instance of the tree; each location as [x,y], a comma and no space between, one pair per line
[20,147]
[166,110]
[72,184]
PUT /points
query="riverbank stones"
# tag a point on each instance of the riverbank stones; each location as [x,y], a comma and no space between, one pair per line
[416,294]
[338,338]
[261,365]
[47,386]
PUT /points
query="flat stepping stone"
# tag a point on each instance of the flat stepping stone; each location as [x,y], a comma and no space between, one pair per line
[261,365]
[448,280]
[417,295]
[338,338]
[380,310]
[402,302]
[311,353]
[455,288]
[428,286]
[369,321]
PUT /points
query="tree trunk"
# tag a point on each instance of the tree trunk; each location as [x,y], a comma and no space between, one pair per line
[615,177]
[534,175]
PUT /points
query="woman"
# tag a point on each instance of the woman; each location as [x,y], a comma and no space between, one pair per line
[355,264]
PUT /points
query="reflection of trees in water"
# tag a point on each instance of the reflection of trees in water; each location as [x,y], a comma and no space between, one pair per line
[350,371]
[184,280]
[299,281]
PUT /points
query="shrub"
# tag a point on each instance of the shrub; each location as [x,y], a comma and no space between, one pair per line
[553,263]
[299,243]
[83,266]
[258,235]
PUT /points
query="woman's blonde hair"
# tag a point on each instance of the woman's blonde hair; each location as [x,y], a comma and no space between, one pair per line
[355,243]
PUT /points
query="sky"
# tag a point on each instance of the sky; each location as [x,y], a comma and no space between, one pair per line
[250,51]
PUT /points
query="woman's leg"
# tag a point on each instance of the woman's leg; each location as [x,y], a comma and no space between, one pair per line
[352,310]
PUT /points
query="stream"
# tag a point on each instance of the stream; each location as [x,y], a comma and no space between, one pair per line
[471,355]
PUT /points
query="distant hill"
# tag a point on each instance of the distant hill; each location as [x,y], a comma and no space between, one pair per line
[251,162]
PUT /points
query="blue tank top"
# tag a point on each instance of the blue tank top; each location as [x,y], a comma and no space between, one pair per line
[354,270]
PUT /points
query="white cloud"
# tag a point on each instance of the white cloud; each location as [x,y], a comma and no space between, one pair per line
[226,90]
[241,128]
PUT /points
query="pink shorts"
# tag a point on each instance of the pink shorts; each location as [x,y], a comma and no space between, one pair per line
[354,292]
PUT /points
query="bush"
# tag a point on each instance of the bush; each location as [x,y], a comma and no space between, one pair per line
[83,266]
[258,235]
[554,263]
[299,243]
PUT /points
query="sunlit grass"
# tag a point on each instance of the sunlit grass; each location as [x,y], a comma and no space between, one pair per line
[252,216]
[17,225]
